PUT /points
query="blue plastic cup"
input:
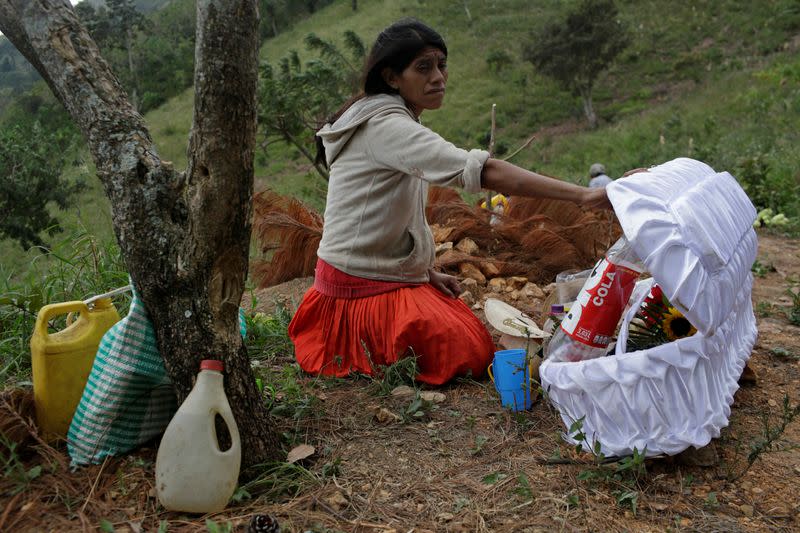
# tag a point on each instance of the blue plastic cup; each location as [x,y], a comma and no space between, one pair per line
[511,376]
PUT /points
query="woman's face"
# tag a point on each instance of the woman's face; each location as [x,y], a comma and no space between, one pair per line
[423,82]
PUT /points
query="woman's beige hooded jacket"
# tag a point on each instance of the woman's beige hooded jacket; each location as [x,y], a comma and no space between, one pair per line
[381,161]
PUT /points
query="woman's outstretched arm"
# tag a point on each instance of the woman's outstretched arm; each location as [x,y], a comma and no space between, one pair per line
[501,176]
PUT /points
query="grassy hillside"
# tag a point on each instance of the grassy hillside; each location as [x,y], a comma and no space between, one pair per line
[715,80]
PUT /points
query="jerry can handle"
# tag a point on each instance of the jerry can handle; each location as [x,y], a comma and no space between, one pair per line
[233,432]
[108,294]
[52,310]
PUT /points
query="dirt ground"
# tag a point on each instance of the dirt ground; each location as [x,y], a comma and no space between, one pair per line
[465,464]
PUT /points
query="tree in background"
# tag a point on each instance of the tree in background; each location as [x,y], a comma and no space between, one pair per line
[574,51]
[153,55]
[31,170]
[185,236]
[293,102]
[116,25]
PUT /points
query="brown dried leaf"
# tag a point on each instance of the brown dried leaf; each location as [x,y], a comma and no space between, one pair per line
[300,452]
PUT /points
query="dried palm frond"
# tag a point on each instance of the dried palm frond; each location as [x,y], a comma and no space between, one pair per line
[289,234]
[560,211]
[537,238]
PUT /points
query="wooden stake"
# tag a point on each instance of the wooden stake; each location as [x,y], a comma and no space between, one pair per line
[491,152]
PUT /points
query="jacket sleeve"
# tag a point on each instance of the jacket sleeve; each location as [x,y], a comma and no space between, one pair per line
[398,142]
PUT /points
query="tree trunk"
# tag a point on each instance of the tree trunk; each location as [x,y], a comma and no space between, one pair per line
[185,236]
[588,108]
[131,68]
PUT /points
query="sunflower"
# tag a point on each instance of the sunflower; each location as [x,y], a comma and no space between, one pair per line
[675,325]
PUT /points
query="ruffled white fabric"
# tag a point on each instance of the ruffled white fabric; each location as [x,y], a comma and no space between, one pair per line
[692,228]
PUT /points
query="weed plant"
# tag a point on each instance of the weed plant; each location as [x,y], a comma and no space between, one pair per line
[13,468]
[794,312]
[385,379]
[279,480]
[770,436]
[623,475]
[75,268]
[268,335]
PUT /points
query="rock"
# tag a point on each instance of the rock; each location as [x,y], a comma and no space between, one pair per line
[467,246]
[705,456]
[514,295]
[772,403]
[468,270]
[433,396]
[747,510]
[385,416]
[489,270]
[445,246]
[748,376]
[517,281]
[441,233]
[478,306]
[497,284]
[470,285]
[467,297]
[532,290]
[449,257]
[403,391]
[336,501]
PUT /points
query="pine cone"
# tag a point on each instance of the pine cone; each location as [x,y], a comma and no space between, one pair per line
[264,523]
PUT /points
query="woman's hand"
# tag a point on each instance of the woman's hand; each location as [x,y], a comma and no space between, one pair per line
[445,283]
[595,198]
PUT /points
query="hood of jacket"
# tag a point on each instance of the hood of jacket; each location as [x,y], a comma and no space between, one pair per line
[336,136]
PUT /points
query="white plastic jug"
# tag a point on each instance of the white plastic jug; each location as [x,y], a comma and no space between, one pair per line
[192,473]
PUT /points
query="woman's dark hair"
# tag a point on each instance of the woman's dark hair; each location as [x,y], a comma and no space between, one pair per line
[395,48]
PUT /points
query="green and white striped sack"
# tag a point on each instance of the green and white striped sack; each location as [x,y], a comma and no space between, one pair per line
[128,398]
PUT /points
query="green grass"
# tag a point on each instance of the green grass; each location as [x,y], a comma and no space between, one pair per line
[76,268]
[710,71]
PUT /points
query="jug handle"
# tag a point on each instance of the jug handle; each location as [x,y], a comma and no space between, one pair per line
[52,310]
[233,431]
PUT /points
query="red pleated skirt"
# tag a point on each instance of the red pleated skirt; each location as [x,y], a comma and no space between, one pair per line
[336,336]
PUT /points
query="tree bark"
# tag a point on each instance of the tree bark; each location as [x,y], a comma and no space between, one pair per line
[185,236]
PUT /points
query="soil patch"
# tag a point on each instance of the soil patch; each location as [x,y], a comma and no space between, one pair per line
[462,463]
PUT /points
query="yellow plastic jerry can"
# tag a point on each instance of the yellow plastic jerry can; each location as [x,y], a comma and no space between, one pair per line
[61,361]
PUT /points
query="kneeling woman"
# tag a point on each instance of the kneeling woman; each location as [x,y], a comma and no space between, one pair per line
[376,297]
